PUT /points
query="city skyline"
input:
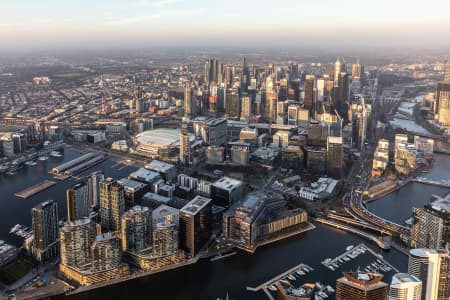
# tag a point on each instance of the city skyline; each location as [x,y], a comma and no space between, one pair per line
[179,23]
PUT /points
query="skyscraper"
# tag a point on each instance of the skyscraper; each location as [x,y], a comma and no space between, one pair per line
[447,71]
[271,97]
[405,287]
[431,225]
[232,104]
[310,94]
[76,239]
[77,202]
[246,108]
[45,230]
[442,108]
[357,70]
[136,229]
[190,109]
[195,224]
[92,182]
[112,204]
[245,78]
[335,156]
[339,67]
[432,268]
[361,286]
[185,145]
[211,68]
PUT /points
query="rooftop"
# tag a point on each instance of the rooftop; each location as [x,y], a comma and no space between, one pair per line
[159,166]
[131,184]
[144,174]
[227,183]
[195,205]
[403,278]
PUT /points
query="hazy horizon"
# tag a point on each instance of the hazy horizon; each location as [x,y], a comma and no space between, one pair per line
[176,24]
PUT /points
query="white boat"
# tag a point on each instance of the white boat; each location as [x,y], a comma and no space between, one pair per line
[331,268]
[301,273]
[346,258]
[55,154]
[273,288]
[329,289]
[15,228]
[291,277]
[43,157]
[349,248]
[326,261]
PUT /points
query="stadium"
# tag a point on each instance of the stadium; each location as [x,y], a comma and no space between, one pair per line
[161,143]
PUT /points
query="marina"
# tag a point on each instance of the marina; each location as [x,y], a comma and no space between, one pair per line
[283,276]
[353,252]
[37,188]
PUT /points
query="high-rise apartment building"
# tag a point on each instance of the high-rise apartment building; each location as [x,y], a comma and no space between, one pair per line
[195,224]
[310,94]
[106,252]
[165,239]
[447,71]
[432,268]
[136,229]
[45,230]
[405,287]
[185,145]
[442,107]
[112,204]
[77,198]
[92,182]
[335,156]
[76,239]
[431,225]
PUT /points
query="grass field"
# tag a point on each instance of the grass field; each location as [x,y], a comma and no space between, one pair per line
[15,270]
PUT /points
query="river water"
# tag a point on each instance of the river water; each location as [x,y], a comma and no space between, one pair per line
[210,280]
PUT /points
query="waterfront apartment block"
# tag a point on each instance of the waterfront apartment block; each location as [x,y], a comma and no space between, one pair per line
[431,225]
[45,231]
[361,286]
[195,224]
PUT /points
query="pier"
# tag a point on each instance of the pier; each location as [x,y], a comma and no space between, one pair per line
[263,286]
[360,246]
[37,188]
[438,183]
[363,234]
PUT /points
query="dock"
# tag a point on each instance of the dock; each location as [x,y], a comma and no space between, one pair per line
[37,188]
[336,259]
[263,286]
[360,246]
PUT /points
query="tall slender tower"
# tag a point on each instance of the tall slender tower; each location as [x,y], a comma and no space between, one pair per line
[92,181]
[77,202]
[45,230]
[405,287]
[432,268]
[185,145]
[112,204]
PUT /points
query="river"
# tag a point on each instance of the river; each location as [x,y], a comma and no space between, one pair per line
[210,280]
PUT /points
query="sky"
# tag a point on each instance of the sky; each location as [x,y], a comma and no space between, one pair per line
[78,24]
